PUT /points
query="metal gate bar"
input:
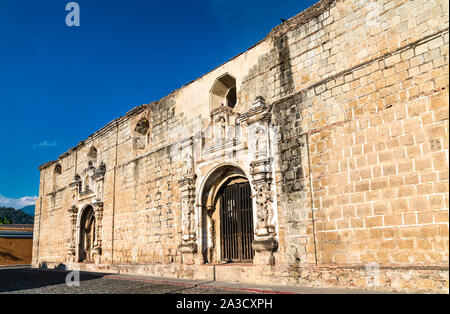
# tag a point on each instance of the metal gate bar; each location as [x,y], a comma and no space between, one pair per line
[236,224]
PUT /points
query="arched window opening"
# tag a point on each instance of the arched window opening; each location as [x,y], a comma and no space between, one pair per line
[58,169]
[92,154]
[141,133]
[223,92]
[142,127]
[56,176]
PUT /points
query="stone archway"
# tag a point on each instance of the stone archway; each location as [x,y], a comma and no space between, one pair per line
[87,235]
[227,216]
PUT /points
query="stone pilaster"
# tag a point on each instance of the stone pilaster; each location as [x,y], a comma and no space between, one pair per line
[188,246]
[97,249]
[75,188]
[265,242]
[258,121]
[261,172]
[71,251]
[98,179]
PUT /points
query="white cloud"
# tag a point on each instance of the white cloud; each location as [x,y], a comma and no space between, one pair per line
[17,203]
[46,143]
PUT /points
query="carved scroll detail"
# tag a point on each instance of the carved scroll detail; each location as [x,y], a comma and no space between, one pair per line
[73,211]
[189,234]
[98,212]
[258,120]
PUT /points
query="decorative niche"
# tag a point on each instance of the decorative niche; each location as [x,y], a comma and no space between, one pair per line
[92,156]
[141,135]
[57,171]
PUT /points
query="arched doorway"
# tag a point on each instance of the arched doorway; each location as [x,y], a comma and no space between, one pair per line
[228,229]
[87,235]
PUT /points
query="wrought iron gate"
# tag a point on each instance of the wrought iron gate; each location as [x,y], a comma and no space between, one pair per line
[236,223]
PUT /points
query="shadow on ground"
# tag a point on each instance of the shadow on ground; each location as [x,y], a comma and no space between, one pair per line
[14,280]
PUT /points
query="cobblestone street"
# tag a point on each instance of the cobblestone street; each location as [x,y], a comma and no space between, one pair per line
[36,281]
[30,281]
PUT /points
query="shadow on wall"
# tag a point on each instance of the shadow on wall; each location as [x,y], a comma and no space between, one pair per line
[284,66]
[7,257]
[15,251]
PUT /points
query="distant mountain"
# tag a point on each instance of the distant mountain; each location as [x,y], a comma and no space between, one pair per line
[28,210]
[17,216]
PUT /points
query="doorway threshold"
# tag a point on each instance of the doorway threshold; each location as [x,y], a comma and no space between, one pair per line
[229,264]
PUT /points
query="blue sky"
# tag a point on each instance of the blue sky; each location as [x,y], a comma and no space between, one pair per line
[60,84]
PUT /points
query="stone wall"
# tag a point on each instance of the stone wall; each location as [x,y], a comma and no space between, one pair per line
[373,113]
[358,95]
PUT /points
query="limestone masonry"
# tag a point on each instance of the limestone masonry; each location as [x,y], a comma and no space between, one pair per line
[318,157]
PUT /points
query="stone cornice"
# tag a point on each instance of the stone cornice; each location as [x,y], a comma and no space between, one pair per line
[47,164]
[302,18]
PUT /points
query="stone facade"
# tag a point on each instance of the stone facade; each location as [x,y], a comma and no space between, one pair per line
[338,120]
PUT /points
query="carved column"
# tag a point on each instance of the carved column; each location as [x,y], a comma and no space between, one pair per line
[188,246]
[97,249]
[265,242]
[257,120]
[75,187]
[261,172]
[98,178]
[71,251]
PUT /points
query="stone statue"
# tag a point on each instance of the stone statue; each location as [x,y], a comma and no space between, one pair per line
[261,144]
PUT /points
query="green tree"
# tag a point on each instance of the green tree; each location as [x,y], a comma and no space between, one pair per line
[5,221]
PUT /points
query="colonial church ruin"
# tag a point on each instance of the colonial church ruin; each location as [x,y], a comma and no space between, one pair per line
[317,157]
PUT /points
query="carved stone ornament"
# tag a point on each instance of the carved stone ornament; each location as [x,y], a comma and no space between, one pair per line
[222,131]
[98,211]
[265,245]
[188,231]
[258,121]
[73,211]
[90,185]
[261,172]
